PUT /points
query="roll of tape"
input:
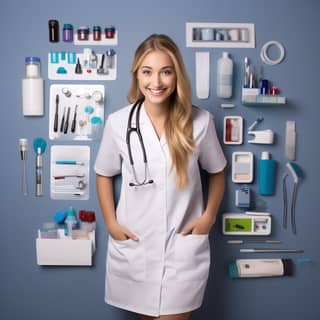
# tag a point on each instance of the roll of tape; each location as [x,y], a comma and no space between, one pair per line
[264,52]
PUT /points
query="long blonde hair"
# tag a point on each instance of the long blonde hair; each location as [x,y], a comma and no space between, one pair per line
[179,131]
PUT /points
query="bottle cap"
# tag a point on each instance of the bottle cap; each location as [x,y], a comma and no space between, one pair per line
[71,212]
[32,59]
[68,26]
[265,155]
[225,54]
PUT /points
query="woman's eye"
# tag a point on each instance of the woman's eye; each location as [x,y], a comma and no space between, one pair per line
[167,72]
[146,72]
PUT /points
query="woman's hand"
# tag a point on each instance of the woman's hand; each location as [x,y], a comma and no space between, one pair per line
[121,233]
[201,225]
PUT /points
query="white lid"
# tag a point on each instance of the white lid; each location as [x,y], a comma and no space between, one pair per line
[265,155]
[225,54]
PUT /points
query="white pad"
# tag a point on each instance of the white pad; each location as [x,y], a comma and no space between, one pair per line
[202,74]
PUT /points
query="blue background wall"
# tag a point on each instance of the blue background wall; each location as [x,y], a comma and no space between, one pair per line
[33,292]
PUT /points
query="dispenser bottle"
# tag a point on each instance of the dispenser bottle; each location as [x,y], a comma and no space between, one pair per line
[266,174]
[224,76]
[32,88]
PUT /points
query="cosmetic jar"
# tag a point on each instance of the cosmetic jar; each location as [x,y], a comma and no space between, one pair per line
[109,32]
[83,33]
[96,33]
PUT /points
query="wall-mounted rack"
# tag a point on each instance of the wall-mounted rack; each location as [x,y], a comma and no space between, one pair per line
[220,35]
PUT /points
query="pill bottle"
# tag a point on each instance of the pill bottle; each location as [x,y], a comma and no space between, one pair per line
[109,32]
[96,33]
[224,76]
[83,33]
[53,30]
[32,88]
[67,33]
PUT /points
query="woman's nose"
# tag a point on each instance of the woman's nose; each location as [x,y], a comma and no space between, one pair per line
[156,79]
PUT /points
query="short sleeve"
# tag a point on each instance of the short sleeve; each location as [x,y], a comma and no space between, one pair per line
[108,161]
[211,157]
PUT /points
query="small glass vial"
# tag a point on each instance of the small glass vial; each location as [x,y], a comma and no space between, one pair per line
[96,33]
[67,32]
[110,32]
[83,33]
[53,30]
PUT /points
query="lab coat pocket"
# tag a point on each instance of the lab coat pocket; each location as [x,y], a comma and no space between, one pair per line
[192,256]
[126,259]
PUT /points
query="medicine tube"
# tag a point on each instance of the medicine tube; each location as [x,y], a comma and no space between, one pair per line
[53,30]
[83,33]
[67,32]
[96,33]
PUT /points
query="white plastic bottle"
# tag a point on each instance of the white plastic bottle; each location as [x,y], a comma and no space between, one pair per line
[32,88]
[224,76]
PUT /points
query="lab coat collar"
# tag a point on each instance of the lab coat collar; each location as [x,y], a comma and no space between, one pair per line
[146,121]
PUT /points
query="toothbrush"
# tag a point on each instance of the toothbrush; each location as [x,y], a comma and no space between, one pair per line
[246,72]
[255,123]
[69,162]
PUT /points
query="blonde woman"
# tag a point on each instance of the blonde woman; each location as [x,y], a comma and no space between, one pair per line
[158,254]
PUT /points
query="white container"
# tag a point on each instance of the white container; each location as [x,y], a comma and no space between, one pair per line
[65,251]
[32,88]
[224,76]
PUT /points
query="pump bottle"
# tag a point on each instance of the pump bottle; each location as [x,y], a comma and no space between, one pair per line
[266,174]
[224,76]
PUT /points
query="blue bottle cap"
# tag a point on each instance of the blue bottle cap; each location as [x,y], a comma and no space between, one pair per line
[32,59]
[68,26]
[71,212]
[60,216]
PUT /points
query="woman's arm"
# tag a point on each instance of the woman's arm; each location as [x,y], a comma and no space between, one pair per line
[203,224]
[106,200]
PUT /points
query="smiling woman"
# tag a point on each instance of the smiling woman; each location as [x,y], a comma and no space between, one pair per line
[158,253]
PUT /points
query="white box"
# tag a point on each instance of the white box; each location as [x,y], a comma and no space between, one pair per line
[65,251]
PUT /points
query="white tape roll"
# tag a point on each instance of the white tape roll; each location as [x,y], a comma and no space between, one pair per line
[264,52]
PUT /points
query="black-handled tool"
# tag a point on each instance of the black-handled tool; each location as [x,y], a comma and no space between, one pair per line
[74,120]
[66,124]
[62,120]
[56,115]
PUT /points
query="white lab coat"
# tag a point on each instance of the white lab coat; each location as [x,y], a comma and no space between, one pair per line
[164,272]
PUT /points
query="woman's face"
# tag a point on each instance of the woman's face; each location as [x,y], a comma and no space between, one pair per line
[157,78]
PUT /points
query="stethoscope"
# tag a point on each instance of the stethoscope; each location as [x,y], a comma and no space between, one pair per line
[130,129]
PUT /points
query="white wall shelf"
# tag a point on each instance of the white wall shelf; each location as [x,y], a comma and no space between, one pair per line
[220,35]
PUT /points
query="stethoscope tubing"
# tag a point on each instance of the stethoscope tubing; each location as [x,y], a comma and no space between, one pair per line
[137,106]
